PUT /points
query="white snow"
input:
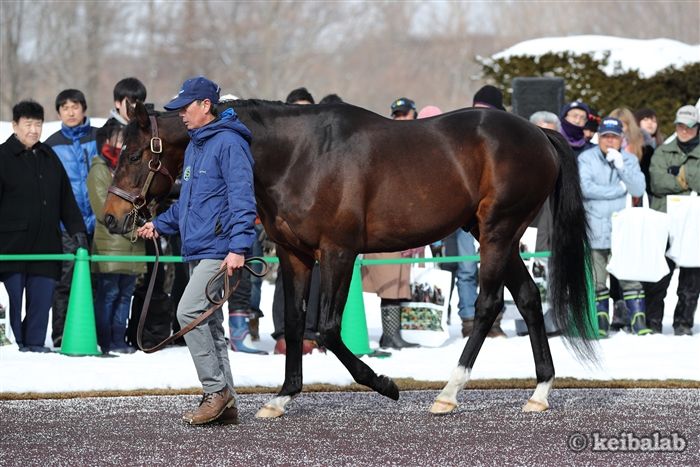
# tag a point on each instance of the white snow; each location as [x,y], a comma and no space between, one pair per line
[622,357]
[648,56]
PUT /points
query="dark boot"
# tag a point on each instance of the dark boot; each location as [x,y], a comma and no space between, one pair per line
[602,304]
[254,323]
[238,328]
[684,314]
[391,329]
[619,320]
[635,312]
[467,326]
[496,330]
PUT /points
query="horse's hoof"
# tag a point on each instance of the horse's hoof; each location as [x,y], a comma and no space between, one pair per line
[387,387]
[442,407]
[535,406]
[268,411]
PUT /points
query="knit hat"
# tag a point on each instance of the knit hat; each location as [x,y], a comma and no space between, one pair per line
[489,96]
[429,111]
[574,105]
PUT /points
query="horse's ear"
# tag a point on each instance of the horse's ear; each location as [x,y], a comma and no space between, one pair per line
[139,113]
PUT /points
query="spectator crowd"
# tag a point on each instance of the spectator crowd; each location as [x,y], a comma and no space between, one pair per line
[52,193]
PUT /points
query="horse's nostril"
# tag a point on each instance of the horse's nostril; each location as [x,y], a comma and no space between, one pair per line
[110,222]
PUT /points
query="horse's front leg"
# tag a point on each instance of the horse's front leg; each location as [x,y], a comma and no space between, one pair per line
[296,276]
[336,267]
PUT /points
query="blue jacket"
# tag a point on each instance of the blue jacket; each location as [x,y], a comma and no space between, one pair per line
[605,191]
[75,148]
[215,213]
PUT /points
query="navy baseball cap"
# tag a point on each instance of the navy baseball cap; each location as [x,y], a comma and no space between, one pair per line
[610,126]
[195,89]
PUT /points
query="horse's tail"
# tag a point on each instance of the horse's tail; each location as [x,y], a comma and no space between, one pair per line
[570,265]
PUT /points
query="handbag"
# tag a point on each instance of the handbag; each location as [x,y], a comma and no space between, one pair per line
[684,217]
[424,317]
[638,243]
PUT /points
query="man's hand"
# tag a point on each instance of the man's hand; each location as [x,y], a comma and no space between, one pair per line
[232,262]
[615,157]
[147,230]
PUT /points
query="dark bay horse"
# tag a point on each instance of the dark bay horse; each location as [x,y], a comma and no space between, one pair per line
[334,181]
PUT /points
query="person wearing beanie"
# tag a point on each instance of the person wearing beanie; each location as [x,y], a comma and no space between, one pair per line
[489,97]
[675,170]
[573,117]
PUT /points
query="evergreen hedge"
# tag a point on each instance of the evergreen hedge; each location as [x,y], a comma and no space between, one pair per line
[586,79]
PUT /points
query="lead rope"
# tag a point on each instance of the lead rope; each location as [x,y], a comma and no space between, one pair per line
[215,302]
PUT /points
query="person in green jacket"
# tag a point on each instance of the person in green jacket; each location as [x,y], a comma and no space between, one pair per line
[115,282]
[675,170]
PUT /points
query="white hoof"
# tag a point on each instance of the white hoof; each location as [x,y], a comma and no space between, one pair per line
[442,407]
[535,406]
[268,411]
[274,408]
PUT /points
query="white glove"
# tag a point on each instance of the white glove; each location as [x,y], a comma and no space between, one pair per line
[615,157]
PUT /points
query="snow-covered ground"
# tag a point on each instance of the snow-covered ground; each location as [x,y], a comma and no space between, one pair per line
[647,56]
[622,357]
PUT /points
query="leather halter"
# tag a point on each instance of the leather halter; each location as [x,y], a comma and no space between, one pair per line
[154,166]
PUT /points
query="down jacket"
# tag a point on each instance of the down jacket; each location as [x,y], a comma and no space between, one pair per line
[605,191]
[75,147]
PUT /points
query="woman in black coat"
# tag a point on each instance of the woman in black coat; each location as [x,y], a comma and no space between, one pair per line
[35,197]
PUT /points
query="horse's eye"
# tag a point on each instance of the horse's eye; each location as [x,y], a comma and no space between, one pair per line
[135,157]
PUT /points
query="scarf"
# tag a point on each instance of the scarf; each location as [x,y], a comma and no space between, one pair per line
[573,134]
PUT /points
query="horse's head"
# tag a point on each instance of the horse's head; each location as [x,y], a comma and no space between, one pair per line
[151,157]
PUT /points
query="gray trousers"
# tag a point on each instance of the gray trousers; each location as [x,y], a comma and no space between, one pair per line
[206,342]
[600,274]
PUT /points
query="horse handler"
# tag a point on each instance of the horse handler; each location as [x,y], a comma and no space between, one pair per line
[215,216]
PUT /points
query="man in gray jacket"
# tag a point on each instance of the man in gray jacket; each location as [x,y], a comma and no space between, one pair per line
[608,174]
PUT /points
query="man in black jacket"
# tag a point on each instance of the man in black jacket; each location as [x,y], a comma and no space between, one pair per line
[35,197]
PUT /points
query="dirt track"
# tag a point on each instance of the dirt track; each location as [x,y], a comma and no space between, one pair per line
[352,429]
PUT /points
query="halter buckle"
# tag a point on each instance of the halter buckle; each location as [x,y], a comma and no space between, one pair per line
[156,145]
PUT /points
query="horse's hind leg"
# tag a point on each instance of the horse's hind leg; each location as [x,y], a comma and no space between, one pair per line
[296,275]
[336,274]
[527,298]
[494,258]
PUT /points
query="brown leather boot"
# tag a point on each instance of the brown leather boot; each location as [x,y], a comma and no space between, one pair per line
[228,417]
[496,330]
[211,407]
[467,326]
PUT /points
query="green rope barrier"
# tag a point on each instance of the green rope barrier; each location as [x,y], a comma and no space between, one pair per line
[269,259]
